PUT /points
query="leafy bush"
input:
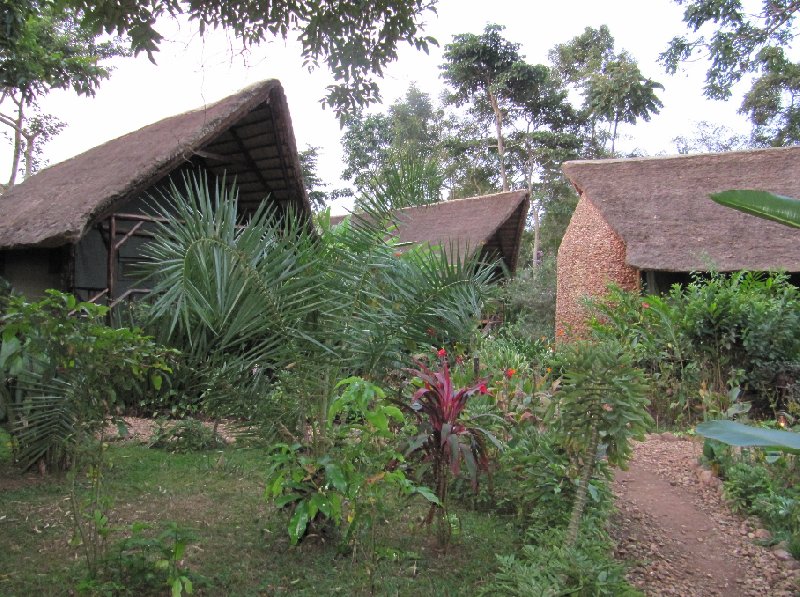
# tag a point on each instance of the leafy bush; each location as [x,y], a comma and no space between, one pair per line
[271,294]
[530,299]
[547,566]
[717,334]
[343,478]
[145,562]
[68,373]
[447,438]
[601,404]
[745,484]
[537,482]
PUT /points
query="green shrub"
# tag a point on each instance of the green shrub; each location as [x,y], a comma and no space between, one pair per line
[745,484]
[717,334]
[545,566]
[68,373]
[530,301]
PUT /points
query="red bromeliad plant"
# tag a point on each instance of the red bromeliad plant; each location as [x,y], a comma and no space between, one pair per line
[447,439]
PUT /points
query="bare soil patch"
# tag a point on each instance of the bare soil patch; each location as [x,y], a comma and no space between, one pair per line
[680,538]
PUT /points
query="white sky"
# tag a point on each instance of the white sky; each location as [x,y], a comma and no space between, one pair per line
[192,71]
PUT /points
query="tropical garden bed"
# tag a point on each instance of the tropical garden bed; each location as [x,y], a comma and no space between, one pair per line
[384,444]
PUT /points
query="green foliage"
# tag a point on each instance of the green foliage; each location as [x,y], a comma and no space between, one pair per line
[535,482]
[737,434]
[600,387]
[345,477]
[185,435]
[407,180]
[395,158]
[717,334]
[601,404]
[784,210]
[740,42]
[764,483]
[613,88]
[530,299]
[354,41]
[145,561]
[503,92]
[548,566]
[69,372]
[274,295]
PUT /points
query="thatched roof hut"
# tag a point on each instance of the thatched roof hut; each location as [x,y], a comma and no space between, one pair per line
[247,136]
[645,221]
[491,224]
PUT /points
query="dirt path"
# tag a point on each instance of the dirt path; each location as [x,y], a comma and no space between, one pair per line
[678,536]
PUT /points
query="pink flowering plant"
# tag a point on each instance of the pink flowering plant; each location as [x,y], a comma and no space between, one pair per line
[447,437]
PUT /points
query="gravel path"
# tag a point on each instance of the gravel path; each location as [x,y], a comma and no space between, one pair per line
[678,536]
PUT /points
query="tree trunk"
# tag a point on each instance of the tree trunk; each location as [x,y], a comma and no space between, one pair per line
[583,486]
[501,148]
[17,150]
[536,237]
[30,140]
[614,138]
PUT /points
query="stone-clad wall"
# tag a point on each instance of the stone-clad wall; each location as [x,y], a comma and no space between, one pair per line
[591,256]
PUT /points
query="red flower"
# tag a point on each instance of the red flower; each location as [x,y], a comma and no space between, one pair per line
[483,389]
[442,352]
[509,373]
[460,359]
[645,305]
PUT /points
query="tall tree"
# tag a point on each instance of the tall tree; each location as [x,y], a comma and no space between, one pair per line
[43,49]
[710,138]
[739,42]
[526,104]
[394,157]
[481,70]
[355,40]
[614,89]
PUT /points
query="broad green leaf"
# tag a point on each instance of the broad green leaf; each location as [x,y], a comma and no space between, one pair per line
[745,436]
[9,347]
[287,499]
[778,208]
[156,380]
[427,493]
[335,475]
[298,523]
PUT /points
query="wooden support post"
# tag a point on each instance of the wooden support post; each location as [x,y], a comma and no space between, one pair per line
[112,256]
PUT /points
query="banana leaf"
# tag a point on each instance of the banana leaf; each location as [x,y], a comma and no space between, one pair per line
[785,210]
[745,436]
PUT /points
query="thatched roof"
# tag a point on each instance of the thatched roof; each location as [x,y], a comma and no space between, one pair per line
[661,209]
[247,135]
[491,223]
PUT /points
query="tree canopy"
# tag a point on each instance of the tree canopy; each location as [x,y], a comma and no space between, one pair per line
[614,89]
[738,43]
[44,48]
[355,40]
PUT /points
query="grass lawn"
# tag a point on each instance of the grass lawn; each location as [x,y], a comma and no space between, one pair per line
[241,545]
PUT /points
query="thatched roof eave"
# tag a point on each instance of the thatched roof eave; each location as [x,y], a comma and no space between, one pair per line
[660,208]
[59,204]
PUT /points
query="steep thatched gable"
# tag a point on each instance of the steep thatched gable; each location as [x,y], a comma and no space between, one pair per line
[490,223]
[247,136]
